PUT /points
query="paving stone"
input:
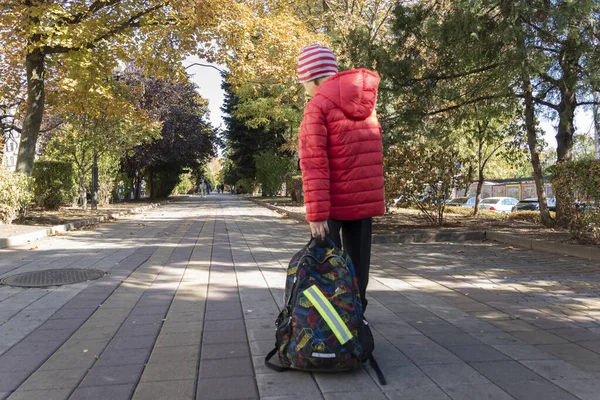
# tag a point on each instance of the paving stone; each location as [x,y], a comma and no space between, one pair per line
[514,326]
[25,362]
[140,329]
[113,392]
[410,341]
[49,335]
[585,389]
[223,305]
[454,374]
[178,339]
[556,369]
[434,354]
[123,357]
[536,390]
[593,346]
[219,337]
[169,371]
[129,343]
[171,390]
[402,378]
[569,351]
[477,353]
[261,347]
[359,380]
[181,327]
[487,391]
[240,387]
[276,384]
[539,337]
[523,352]
[230,350]
[227,325]
[501,372]
[176,353]
[591,366]
[575,334]
[371,395]
[145,319]
[75,354]
[113,375]
[71,323]
[429,392]
[47,394]
[52,379]
[222,368]
[220,315]
[454,339]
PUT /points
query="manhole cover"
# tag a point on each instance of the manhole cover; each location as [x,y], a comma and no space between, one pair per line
[52,277]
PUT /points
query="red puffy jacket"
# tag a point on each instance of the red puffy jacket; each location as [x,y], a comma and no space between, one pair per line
[340,149]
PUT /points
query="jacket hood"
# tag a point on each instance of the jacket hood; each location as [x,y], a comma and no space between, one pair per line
[354,92]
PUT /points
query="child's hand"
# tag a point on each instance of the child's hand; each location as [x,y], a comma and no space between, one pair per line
[319,229]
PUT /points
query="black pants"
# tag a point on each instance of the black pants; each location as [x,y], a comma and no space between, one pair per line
[356,241]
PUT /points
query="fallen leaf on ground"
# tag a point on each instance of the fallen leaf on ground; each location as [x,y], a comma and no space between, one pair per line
[34,248]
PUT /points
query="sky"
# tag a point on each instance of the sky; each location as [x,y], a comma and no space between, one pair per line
[209,84]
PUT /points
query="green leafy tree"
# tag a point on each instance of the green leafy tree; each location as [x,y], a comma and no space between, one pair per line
[423,172]
[82,136]
[271,171]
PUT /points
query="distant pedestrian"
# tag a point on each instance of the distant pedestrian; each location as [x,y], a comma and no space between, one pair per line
[341,154]
[202,187]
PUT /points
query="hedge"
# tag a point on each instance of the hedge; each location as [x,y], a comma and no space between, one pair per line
[577,185]
[54,183]
[15,196]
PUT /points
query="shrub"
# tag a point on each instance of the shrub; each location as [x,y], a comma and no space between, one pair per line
[577,188]
[271,171]
[184,186]
[248,185]
[528,216]
[422,167]
[468,212]
[460,211]
[164,181]
[15,196]
[54,183]
[294,187]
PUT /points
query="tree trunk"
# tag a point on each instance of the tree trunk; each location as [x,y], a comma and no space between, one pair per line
[151,182]
[35,65]
[138,185]
[532,143]
[478,192]
[596,126]
[82,191]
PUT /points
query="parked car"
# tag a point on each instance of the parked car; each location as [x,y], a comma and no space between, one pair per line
[468,202]
[498,204]
[533,204]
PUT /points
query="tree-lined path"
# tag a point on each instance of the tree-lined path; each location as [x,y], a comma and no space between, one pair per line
[188,304]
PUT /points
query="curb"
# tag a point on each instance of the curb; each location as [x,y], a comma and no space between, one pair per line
[591,253]
[45,232]
[429,237]
[413,237]
[293,215]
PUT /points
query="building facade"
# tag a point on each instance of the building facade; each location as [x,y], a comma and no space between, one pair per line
[11,149]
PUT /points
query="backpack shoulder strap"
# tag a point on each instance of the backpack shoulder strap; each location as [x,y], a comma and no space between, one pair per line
[380,376]
[269,364]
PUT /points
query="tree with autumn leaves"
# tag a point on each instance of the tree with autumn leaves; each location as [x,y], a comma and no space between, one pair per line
[45,42]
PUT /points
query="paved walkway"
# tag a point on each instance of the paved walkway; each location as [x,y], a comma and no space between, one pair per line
[187,310]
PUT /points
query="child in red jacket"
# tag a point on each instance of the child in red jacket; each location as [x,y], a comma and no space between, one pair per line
[341,155]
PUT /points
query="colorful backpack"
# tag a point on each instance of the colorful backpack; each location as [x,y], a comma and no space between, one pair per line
[321,326]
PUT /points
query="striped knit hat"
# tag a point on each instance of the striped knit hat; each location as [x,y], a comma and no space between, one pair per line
[315,62]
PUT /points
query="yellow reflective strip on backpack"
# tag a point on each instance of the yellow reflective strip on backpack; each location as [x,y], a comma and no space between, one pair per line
[333,319]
